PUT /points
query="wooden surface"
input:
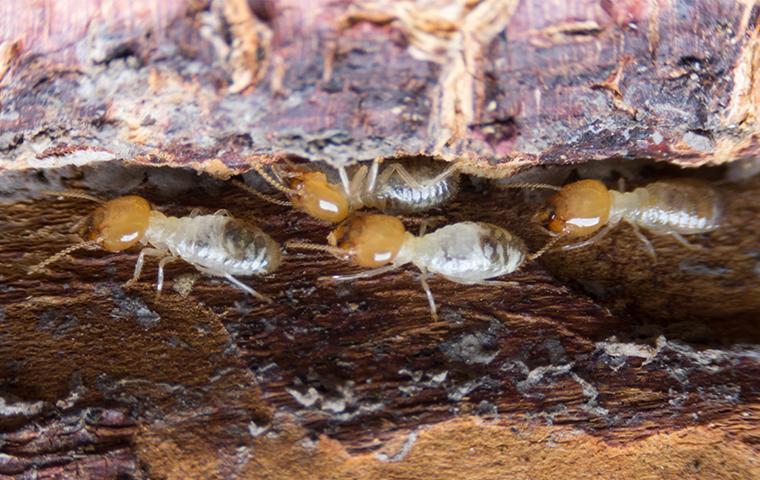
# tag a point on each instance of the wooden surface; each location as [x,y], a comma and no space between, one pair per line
[500,86]
[352,377]
[598,363]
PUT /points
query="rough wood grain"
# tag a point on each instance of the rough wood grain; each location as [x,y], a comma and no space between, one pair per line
[357,381]
[597,364]
[497,84]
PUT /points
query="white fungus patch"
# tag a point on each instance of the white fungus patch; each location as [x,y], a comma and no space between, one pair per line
[307,399]
[255,430]
[458,392]
[342,404]
[421,380]
[362,409]
[472,348]
[589,391]
[698,142]
[73,397]
[544,373]
[540,374]
[26,409]
[77,159]
[403,451]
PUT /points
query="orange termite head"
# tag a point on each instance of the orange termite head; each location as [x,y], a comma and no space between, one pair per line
[119,223]
[370,240]
[316,196]
[578,209]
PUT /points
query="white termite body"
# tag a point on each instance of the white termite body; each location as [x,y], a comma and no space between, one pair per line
[217,245]
[398,188]
[470,253]
[465,252]
[665,207]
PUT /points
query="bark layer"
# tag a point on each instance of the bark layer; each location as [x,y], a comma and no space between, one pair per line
[496,84]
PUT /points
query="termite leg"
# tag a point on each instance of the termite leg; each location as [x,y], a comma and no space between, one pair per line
[164,261]
[223,212]
[155,252]
[352,186]
[647,243]
[423,227]
[445,174]
[491,283]
[80,223]
[428,293]
[372,177]
[357,181]
[344,180]
[409,179]
[590,241]
[246,288]
[402,172]
[679,238]
[356,276]
[194,212]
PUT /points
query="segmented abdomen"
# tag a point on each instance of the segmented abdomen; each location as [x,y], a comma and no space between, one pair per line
[216,243]
[470,251]
[681,206]
[396,196]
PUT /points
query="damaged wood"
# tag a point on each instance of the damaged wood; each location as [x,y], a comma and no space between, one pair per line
[497,85]
[339,378]
[596,362]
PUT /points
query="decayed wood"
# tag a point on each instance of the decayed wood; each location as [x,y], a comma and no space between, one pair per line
[357,381]
[492,83]
[598,363]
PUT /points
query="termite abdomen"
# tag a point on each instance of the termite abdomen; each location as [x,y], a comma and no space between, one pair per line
[246,241]
[397,195]
[683,206]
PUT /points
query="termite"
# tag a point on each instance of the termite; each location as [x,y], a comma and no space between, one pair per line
[469,253]
[395,188]
[217,245]
[673,207]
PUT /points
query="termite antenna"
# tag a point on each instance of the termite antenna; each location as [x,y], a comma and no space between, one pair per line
[74,194]
[545,248]
[271,181]
[338,252]
[262,196]
[531,186]
[60,255]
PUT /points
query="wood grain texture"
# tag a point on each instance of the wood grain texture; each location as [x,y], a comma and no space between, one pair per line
[356,381]
[518,82]
[598,363]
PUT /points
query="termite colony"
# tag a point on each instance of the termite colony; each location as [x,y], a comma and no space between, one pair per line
[468,252]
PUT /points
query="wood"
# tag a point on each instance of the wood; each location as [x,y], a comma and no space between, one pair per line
[215,369]
[499,87]
[596,363]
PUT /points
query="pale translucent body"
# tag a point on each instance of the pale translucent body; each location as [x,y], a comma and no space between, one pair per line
[215,244]
[465,252]
[396,195]
[683,207]
[397,188]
